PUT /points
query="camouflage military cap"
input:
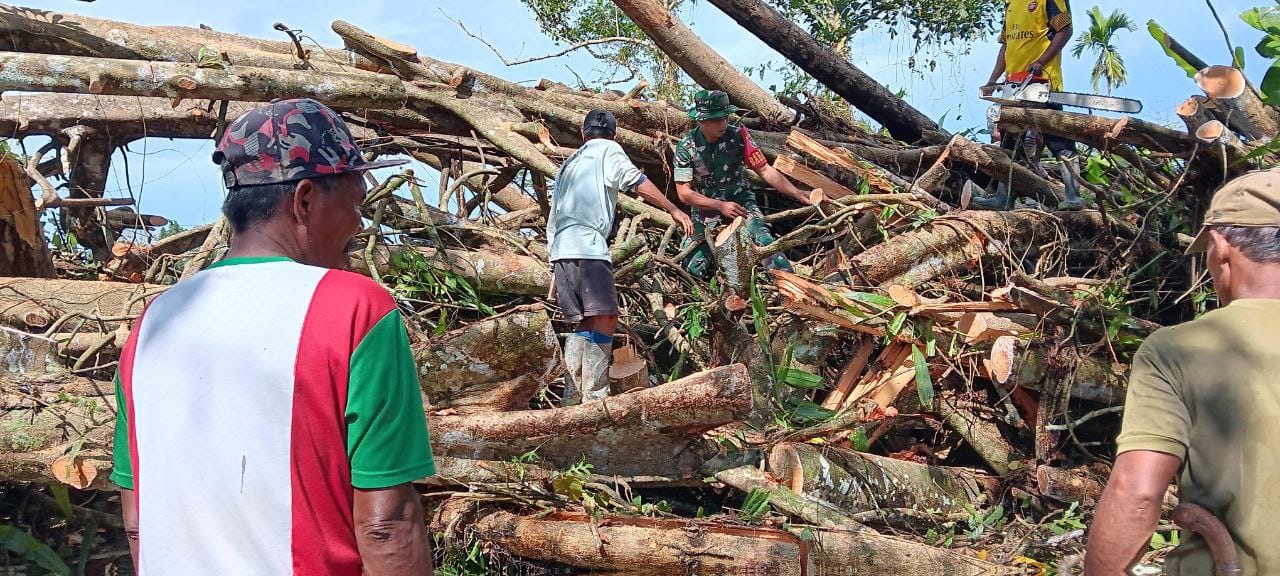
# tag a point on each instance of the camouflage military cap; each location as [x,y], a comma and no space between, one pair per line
[711,105]
[287,141]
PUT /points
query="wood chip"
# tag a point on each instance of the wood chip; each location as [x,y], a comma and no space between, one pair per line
[1003,357]
[904,296]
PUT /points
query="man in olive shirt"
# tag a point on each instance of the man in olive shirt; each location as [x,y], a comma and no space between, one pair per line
[1204,403]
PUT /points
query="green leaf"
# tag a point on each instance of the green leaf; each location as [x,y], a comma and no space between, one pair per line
[801,379]
[859,440]
[805,411]
[1268,47]
[1271,85]
[1238,57]
[1164,39]
[1266,20]
[881,302]
[896,326]
[924,382]
[1271,147]
[63,497]
[20,544]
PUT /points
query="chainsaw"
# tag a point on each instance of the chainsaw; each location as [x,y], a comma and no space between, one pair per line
[1025,90]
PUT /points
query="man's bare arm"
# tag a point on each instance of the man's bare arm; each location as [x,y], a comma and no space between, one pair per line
[780,183]
[701,201]
[998,72]
[1128,512]
[129,510]
[390,532]
[655,196]
[1059,42]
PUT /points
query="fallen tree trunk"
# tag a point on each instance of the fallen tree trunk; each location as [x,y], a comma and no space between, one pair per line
[707,67]
[495,365]
[656,431]
[902,120]
[857,482]
[953,242]
[1097,131]
[113,77]
[488,272]
[26,30]
[748,479]
[636,546]
[32,303]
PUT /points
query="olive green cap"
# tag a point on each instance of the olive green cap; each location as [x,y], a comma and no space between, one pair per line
[1252,200]
[711,105]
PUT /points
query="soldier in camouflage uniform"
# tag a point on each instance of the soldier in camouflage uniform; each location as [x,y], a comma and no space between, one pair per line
[709,177]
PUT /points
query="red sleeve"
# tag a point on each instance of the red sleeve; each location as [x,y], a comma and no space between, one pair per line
[752,155]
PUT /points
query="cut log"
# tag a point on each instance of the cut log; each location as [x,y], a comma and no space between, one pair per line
[30,303]
[735,253]
[23,249]
[1246,113]
[628,371]
[802,143]
[33,439]
[656,431]
[112,77]
[856,481]
[494,365]
[26,355]
[835,72]
[1194,113]
[707,67]
[811,178]
[995,163]
[636,546]
[1081,485]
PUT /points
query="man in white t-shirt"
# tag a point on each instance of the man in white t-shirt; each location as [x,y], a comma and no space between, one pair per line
[582,215]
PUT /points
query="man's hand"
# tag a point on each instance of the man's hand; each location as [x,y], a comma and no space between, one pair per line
[731,209]
[1036,69]
[683,221]
[989,89]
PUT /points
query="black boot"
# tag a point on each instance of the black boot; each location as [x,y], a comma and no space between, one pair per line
[1072,188]
[1000,201]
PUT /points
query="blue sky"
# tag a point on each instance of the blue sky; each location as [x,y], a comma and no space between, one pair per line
[177,180]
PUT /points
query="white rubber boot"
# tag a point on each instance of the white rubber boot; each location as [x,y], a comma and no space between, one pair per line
[574,347]
[595,371]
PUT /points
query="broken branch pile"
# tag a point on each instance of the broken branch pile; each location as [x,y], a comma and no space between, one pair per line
[925,370]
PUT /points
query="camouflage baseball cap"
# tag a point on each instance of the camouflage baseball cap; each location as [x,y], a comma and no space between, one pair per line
[711,105]
[287,141]
[1251,200]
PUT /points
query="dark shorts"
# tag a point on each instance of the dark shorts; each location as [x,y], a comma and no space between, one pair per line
[585,288]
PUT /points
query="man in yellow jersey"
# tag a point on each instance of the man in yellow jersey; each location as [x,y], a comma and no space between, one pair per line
[1031,43]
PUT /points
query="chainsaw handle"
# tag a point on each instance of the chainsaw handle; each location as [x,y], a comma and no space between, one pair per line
[1193,517]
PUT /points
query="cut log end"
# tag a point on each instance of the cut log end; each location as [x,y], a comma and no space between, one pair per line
[1221,82]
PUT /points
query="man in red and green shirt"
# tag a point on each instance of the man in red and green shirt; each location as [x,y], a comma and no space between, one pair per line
[269,415]
[709,176]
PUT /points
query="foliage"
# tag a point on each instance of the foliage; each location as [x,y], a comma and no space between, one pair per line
[1098,39]
[1071,520]
[17,542]
[755,507]
[929,22]
[1160,541]
[1267,21]
[416,277]
[465,560]
[577,21]
[169,230]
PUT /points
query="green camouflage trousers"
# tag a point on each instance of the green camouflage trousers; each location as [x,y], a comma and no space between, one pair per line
[699,261]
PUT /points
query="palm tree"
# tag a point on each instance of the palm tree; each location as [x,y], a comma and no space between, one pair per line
[1110,65]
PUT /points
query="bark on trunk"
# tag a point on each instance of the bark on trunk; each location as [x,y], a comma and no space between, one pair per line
[857,482]
[701,62]
[495,365]
[634,546]
[26,30]
[488,272]
[902,120]
[811,510]
[114,77]
[1081,485]
[23,250]
[655,431]
[34,304]
[953,242]
[1097,131]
